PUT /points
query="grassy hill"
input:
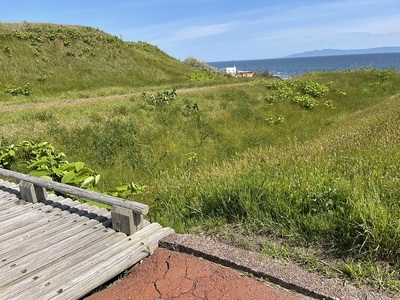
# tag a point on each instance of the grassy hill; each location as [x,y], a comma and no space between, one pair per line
[54,60]
[305,169]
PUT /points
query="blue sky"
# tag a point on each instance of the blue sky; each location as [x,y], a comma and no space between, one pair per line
[218,30]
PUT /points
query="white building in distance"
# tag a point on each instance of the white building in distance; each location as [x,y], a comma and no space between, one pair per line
[231,70]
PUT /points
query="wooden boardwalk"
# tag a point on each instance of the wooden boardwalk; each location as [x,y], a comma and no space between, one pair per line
[63,249]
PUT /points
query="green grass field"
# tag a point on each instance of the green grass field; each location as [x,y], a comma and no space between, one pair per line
[310,166]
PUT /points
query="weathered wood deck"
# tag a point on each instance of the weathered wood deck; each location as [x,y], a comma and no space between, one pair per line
[63,249]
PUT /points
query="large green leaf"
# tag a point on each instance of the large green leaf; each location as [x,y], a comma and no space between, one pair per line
[67,167]
[79,165]
[39,164]
[87,181]
[80,177]
[86,170]
[68,177]
[97,179]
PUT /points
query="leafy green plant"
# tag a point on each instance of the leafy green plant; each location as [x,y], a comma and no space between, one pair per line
[276,84]
[6,49]
[281,94]
[281,91]
[78,174]
[313,88]
[189,107]
[125,190]
[162,98]
[17,90]
[42,160]
[272,120]
[7,156]
[305,101]
[329,104]
[199,76]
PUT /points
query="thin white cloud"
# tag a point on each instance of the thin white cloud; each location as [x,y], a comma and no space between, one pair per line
[194,32]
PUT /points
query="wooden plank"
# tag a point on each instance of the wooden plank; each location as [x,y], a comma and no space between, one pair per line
[29,266]
[39,272]
[6,195]
[15,250]
[6,203]
[14,208]
[32,227]
[25,208]
[73,203]
[33,207]
[53,225]
[11,224]
[11,191]
[71,266]
[76,205]
[19,251]
[10,228]
[8,184]
[9,201]
[137,207]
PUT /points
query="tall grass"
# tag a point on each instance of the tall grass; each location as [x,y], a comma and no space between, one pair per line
[340,192]
[327,175]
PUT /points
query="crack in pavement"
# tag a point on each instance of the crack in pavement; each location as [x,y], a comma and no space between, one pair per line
[156,287]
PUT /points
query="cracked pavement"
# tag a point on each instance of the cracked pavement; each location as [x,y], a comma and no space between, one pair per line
[172,275]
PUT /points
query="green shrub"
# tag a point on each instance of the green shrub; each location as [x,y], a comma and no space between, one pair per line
[281,94]
[275,120]
[203,67]
[162,98]
[199,76]
[18,90]
[305,101]
[314,89]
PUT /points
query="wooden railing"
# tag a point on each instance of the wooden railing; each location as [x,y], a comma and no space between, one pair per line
[126,216]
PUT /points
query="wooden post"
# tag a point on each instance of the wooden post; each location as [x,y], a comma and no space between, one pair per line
[126,220]
[31,192]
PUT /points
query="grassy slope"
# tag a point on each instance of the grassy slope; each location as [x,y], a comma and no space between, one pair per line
[61,61]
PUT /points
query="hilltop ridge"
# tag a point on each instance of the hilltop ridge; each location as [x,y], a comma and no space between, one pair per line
[56,58]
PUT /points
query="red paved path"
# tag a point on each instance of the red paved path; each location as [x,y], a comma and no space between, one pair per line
[173,275]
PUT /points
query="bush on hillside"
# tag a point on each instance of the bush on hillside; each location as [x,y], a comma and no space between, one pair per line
[200,65]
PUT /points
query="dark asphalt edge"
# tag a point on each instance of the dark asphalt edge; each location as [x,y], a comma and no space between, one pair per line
[288,276]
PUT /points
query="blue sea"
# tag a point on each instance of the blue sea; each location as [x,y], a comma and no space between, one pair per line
[289,67]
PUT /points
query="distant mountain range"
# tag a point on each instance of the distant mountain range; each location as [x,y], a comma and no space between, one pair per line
[332,52]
